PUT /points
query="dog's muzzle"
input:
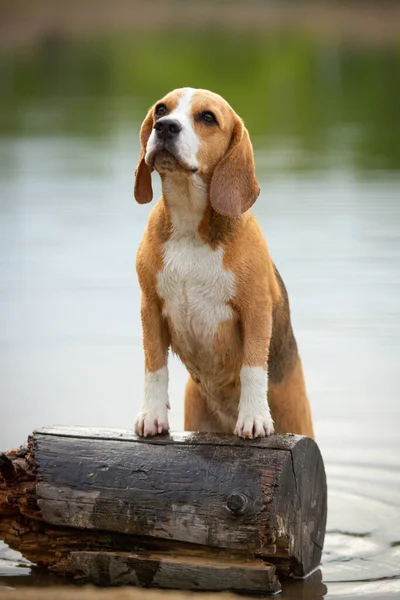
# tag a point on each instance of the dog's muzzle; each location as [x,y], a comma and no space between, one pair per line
[166,137]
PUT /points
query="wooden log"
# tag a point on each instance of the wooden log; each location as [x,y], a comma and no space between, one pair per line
[195,511]
[177,572]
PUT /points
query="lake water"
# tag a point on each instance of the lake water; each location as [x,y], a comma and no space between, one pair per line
[325,123]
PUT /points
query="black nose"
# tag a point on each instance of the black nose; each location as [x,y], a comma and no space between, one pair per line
[167,128]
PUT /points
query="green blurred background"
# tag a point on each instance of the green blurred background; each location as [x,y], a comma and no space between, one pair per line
[333,103]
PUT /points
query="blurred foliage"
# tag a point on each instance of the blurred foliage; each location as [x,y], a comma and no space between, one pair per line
[321,98]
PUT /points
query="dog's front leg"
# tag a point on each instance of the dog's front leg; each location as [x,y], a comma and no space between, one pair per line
[254,416]
[153,416]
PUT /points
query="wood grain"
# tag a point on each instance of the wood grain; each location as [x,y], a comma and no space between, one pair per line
[100,503]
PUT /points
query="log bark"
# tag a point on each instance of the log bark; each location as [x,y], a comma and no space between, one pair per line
[184,510]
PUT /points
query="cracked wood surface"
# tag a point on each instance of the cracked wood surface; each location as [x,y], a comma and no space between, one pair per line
[78,492]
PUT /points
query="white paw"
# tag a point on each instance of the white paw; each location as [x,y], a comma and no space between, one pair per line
[253,426]
[150,423]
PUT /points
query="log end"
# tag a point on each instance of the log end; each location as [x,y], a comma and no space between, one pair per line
[300,508]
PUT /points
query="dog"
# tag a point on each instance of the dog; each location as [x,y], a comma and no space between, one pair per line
[209,289]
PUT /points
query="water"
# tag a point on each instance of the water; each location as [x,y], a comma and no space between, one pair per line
[325,124]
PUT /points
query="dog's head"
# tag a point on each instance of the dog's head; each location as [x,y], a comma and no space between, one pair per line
[196,131]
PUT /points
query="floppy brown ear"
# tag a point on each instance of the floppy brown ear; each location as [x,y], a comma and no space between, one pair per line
[234,187]
[143,191]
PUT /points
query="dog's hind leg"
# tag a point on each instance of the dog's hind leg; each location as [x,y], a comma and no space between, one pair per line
[197,416]
[289,404]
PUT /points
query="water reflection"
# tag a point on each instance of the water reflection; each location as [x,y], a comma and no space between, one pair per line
[325,124]
[312,588]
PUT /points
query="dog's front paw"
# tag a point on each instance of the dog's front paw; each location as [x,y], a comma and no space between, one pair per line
[253,426]
[150,423]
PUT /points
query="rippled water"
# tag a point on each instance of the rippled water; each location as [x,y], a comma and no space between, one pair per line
[328,158]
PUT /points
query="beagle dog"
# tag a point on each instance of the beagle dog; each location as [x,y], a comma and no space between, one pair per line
[210,290]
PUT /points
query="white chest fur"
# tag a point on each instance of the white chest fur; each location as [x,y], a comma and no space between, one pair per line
[196,290]
[193,283]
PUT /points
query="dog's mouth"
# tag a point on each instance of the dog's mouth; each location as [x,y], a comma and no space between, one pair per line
[167,159]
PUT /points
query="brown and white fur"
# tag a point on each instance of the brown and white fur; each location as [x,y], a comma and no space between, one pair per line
[210,290]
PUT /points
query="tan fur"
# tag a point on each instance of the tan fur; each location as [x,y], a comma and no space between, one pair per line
[197,417]
[259,333]
[289,403]
[156,336]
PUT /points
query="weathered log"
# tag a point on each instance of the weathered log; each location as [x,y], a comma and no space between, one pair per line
[196,511]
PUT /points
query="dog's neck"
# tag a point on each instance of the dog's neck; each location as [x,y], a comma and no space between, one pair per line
[190,214]
[186,200]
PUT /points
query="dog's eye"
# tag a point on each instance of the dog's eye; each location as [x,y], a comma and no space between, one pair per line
[161,110]
[208,117]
